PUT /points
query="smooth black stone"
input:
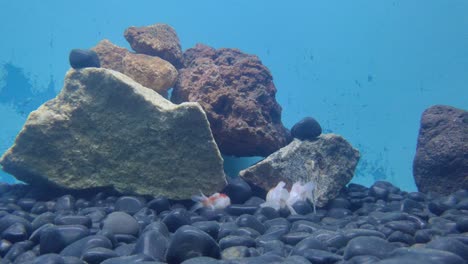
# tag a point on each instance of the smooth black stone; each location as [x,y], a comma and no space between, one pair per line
[352,233]
[226,229]
[98,255]
[25,257]
[368,245]
[55,239]
[140,258]
[9,220]
[379,191]
[74,220]
[5,245]
[254,201]
[176,218]
[364,259]
[339,213]
[451,245]
[308,243]
[263,259]
[277,222]
[26,203]
[250,221]
[399,236]
[424,255]
[159,204]
[145,216]
[462,205]
[395,197]
[269,245]
[235,253]
[320,256]
[331,239]
[97,215]
[273,233]
[36,235]
[294,237]
[65,203]
[210,214]
[71,260]
[210,227]
[125,238]
[77,248]
[240,209]
[49,259]
[39,208]
[246,231]
[339,202]
[307,128]
[18,249]
[238,190]
[158,226]
[295,260]
[201,260]
[121,223]
[80,58]
[403,226]
[189,242]
[437,207]
[15,233]
[231,241]
[42,219]
[152,243]
[462,224]
[410,206]
[125,249]
[305,226]
[302,207]
[268,212]
[82,203]
[129,204]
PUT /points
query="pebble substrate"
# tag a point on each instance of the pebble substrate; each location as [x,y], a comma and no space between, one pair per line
[380,224]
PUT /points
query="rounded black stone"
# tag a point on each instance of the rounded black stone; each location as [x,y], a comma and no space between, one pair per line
[294,237]
[42,219]
[5,245]
[176,218]
[159,204]
[10,219]
[129,204]
[302,207]
[74,220]
[368,245]
[209,227]
[307,128]
[77,248]
[238,190]
[26,203]
[189,242]
[121,223]
[449,244]
[80,58]
[51,258]
[240,209]
[250,221]
[140,258]
[98,255]
[268,212]
[152,243]
[15,233]
[65,203]
[231,241]
[235,253]
[56,238]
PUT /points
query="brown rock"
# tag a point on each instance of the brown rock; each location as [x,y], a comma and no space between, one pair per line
[151,72]
[441,161]
[156,40]
[104,129]
[329,162]
[237,92]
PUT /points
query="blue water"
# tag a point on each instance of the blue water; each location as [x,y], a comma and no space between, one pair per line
[364,69]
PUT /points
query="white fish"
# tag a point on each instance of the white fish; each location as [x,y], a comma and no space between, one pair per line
[277,197]
[300,192]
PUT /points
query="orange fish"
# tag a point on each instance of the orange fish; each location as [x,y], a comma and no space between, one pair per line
[215,201]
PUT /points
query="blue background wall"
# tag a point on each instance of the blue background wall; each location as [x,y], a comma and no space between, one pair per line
[365,69]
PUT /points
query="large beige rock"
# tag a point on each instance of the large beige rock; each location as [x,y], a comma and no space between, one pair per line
[152,72]
[329,162]
[104,129]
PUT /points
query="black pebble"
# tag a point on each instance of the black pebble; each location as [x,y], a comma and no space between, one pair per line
[15,233]
[152,243]
[77,248]
[238,190]
[189,242]
[56,238]
[176,218]
[98,255]
[307,128]
[159,204]
[129,204]
[250,221]
[80,58]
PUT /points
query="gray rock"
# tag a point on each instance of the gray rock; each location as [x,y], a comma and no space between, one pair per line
[104,129]
[441,161]
[329,161]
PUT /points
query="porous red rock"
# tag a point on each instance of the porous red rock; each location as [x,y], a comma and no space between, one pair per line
[152,72]
[441,161]
[238,95]
[156,40]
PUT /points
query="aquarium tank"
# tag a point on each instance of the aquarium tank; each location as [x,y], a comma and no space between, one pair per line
[234,131]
